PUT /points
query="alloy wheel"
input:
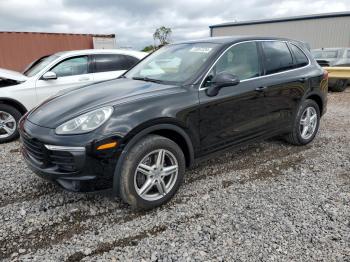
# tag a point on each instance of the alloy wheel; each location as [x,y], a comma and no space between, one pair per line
[156,175]
[7,125]
[308,122]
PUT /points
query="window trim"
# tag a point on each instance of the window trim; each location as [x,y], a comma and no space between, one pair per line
[201,87]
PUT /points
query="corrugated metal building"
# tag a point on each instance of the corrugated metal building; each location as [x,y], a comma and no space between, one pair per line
[322,30]
[18,49]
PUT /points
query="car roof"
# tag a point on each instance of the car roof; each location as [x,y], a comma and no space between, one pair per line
[232,39]
[331,49]
[133,53]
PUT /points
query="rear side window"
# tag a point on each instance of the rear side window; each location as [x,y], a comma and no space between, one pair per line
[300,58]
[106,62]
[277,57]
[130,61]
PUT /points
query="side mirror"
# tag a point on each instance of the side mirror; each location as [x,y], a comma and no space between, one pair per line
[49,76]
[221,80]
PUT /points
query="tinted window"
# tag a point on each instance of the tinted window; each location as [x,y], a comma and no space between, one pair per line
[277,57]
[300,58]
[130,61]
[72,66]
[241,60]
[105,63]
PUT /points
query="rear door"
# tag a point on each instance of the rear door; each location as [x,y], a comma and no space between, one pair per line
[110,66]
[71,72]
[285,81]
[236,113]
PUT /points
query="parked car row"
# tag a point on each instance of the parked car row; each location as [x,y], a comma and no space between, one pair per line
[20,92]
[137,134]
[335,57]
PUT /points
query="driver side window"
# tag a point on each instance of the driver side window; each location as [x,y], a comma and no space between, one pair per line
[241,60]
[72,66]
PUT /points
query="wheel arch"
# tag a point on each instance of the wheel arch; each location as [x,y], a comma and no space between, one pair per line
[14,103]
[169,130]
[318,99]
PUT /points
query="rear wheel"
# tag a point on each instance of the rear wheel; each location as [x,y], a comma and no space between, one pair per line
[152,172]
[305,124]
[9,117]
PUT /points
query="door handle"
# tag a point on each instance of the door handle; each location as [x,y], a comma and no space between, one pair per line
[260,88]
[302,80]
[84,79]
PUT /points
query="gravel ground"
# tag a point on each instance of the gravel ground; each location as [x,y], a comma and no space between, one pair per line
[266,202]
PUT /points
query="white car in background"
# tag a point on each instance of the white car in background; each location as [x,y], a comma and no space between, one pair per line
[20,92]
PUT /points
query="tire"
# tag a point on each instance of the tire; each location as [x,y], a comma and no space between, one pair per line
[339,86]
[8,113]
[296,136]
[133,183]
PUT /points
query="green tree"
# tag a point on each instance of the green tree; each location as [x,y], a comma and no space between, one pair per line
[149,48]
[162,34]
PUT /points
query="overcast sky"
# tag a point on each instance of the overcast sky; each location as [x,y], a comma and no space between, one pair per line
[134,21]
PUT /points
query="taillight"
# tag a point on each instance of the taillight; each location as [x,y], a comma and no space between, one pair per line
[325,75]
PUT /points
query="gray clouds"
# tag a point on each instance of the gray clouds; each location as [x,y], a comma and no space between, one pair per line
[134,21]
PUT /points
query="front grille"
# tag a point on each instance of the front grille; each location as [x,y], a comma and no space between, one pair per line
[64,160]
[61,161]
[35,150]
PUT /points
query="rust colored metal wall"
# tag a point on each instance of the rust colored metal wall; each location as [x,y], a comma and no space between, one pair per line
[17,49]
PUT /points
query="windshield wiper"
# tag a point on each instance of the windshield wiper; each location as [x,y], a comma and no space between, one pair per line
[147,79]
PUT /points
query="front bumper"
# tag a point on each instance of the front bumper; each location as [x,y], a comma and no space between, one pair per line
[71,162]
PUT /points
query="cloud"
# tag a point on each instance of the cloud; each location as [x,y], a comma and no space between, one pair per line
[134,21]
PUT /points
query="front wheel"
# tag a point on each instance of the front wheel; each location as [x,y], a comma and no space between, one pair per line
[152,172]
[306,124]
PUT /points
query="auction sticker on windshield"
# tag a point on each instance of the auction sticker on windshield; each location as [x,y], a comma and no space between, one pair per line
[200,49]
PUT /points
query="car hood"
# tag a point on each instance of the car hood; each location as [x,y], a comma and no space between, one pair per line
[65,106]
[12,75]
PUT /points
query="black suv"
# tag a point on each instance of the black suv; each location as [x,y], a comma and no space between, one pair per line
[137,134]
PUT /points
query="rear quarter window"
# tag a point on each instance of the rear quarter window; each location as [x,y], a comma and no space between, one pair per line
[300,58]
[113,62]
[277,57]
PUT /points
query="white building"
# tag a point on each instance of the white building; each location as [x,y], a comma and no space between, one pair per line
[321,30]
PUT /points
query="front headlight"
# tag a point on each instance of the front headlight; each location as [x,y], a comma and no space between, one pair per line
[86,122]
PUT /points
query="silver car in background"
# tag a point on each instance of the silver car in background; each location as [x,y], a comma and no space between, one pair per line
[333,57]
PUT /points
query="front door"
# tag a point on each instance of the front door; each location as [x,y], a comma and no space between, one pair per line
[237,113]
[72,72]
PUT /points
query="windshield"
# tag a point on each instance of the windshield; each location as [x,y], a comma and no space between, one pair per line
[173,63]
[40,64]
[318,54]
